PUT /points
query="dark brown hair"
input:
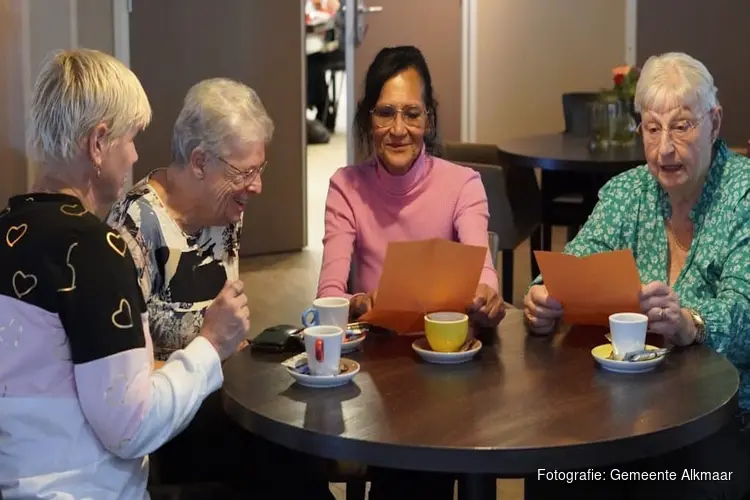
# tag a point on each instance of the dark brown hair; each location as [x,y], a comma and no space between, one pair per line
[388,63]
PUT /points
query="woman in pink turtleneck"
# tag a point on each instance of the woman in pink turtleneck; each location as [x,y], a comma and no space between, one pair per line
[403,192]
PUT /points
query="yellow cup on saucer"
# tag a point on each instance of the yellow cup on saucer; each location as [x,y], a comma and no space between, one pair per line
[446,331]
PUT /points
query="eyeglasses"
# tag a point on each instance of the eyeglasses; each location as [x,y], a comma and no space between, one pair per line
[679,131]
[246,177]
[385,116]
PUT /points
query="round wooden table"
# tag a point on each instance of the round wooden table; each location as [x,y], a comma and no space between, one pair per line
[525,403]
[566,152]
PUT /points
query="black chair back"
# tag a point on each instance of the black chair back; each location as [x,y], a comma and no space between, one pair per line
[576,112]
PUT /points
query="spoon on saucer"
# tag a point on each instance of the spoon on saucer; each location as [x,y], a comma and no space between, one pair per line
[642,355]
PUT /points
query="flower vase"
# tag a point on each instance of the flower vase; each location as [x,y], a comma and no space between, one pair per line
[623,135]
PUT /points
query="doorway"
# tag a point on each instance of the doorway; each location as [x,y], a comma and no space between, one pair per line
[325,106]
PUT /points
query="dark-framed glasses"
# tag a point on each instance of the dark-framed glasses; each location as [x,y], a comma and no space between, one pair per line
[678,130]
[385,115]
[243,177]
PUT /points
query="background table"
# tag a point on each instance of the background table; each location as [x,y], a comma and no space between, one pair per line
[566,152]
[524,403]
[568,168]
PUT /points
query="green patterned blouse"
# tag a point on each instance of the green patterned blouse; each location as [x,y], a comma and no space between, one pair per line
[715,280]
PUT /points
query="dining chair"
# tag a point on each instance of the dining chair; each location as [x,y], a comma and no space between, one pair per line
[514,203]
[569,197]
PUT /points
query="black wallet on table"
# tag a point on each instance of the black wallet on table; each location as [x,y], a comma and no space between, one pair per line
[279,338]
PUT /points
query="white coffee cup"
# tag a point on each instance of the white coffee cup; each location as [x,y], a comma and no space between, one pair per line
[323,347]
[628,331]
[328,311]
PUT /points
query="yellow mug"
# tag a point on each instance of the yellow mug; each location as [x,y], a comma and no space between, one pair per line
[446,331]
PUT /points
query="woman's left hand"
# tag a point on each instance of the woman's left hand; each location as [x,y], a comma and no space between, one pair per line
[488,309]
[662,306]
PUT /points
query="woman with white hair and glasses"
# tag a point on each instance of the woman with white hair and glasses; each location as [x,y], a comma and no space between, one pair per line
[686,217]
[183,223]
[185,219]
[81,406]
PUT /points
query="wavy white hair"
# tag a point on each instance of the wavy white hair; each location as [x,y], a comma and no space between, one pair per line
[215,112]
[75,91]
[675,79]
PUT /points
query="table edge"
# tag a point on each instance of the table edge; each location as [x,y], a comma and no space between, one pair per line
[508,462]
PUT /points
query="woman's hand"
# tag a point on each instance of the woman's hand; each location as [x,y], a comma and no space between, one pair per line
[541,311]
[665,316]
[227,319]
[361,303]
[488,309]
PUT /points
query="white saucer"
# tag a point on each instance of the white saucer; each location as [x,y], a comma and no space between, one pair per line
[353,345]
[351,367]
[602,352]
[422,348]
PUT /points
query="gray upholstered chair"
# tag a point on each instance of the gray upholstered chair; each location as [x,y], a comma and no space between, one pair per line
[514,203]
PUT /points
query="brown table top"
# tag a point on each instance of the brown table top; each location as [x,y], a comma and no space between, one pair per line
[523,403]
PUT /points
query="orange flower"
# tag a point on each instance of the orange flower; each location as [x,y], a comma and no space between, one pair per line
[621,70]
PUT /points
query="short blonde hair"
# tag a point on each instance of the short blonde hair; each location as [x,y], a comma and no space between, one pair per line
[215,112]
[675,79]
[75,91]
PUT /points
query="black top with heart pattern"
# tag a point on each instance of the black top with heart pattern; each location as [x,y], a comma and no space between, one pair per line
[59,257]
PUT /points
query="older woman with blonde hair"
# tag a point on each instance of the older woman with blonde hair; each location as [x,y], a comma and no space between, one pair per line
[81,404]
[183,222]
[686,217]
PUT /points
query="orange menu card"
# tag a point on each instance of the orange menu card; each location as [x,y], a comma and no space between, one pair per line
[593,287]
[420,277]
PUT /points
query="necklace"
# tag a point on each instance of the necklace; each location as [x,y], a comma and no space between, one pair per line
[675,238]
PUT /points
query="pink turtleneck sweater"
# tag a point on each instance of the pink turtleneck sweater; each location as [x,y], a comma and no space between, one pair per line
[367,207]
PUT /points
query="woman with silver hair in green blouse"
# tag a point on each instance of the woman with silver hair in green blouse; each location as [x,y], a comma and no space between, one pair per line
[686,217]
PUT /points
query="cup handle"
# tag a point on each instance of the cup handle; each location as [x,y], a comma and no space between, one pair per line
[315,319]
[319,350]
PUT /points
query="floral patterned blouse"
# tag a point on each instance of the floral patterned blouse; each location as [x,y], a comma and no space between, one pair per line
[715,280]
[180,274]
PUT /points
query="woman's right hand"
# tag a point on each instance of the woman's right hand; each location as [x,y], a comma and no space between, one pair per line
[541,311]
[361,303]
[227,319]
